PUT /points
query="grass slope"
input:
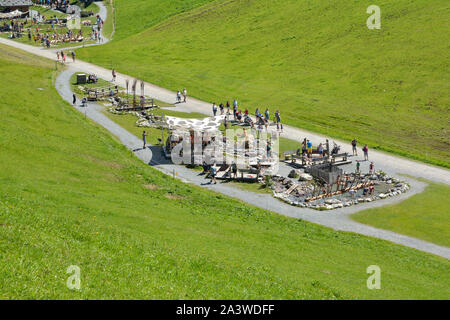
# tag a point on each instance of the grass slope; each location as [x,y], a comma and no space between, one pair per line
[425,215]
[314,60]
[70,194]
[138,15]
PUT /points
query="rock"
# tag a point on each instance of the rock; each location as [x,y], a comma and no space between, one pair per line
[382,196]
[293,174]
[305,177]
[286,181]
[332,201]
[389,181]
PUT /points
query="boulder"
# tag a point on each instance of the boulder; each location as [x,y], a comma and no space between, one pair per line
[293,174]
[332,201]
[305,177]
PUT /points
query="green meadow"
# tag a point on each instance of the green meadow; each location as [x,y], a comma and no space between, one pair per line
[71,194]
[425,215]
[314,60]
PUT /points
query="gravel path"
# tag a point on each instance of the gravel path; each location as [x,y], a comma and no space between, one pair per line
[336,219]
[391,164]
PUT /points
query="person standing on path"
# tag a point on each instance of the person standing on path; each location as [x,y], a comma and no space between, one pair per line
[57,55]
[73,56]
[214,109]
[74,99]
[114,75]
[63,57]
[358,166]
[184,95]
[278,119]
[366,152]
[144,138]
[354,143]
[213,173]
[267,114]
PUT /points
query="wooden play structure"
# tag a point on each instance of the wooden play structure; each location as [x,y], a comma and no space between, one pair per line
[95,94]
[136,104]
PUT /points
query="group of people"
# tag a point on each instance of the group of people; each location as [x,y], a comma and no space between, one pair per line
[365,149]
[262,120]
[55,38]
[181,95]
[61,56]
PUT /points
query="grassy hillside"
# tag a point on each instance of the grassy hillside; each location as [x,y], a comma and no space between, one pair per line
[425,216]
[70,194]
[135,16]
[314,60]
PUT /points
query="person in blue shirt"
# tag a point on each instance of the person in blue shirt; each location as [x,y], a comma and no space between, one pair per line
[309,147]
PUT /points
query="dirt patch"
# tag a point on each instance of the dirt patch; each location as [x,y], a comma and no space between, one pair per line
[175,197]
[108,164]
[150,187]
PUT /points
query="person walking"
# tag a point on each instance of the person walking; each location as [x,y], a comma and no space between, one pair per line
[366,152]
[184,95]
[234,170]
[114,75]
[144,138]
[267,114]
[74,99]
[63,57]
[214,109]
[371,167]
[57,55]
[358,166]
[354,143]
[213,173]
[178,96]
[73,56]
[278,119]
